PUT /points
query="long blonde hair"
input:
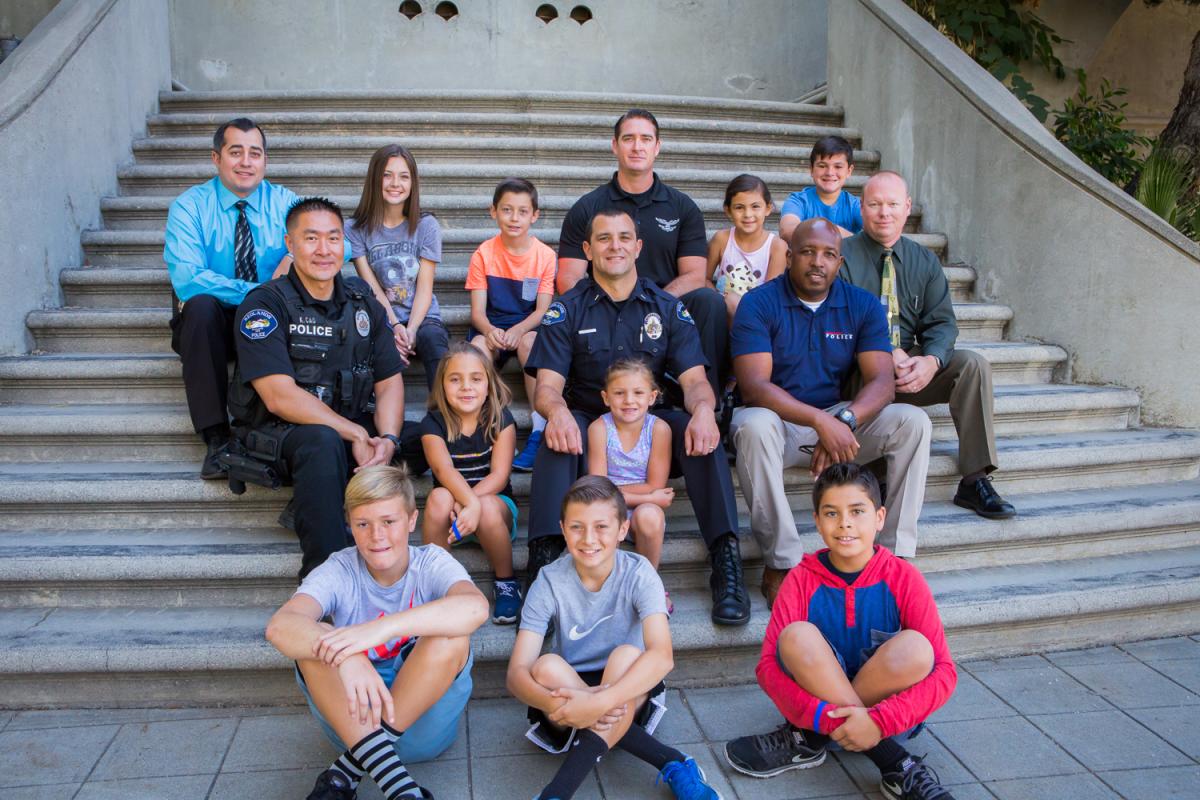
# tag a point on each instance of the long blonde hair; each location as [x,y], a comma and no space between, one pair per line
[491,414]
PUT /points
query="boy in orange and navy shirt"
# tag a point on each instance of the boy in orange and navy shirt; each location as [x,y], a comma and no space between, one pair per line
[511,281]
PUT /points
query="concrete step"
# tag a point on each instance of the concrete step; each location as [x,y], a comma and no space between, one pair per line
[145,330]
[452,211]
[163,432]
[114,495]
[63,657]
[345,177]
[124,377]
[144,247]
[150,287]
[227,104]
[784,154]
[288,127]
[190,567]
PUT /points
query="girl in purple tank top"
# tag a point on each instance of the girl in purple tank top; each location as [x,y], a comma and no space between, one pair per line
[633,449]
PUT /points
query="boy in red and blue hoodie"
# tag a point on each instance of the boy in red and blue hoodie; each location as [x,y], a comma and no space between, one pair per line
[854,651]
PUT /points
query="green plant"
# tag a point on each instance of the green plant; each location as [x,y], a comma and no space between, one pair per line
[1091,125]
[1165,188]
[1000,35]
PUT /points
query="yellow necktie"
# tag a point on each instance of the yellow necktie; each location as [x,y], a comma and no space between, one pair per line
[887,296]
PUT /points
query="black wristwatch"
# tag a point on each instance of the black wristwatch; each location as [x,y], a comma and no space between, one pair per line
[847,416]
[393,438]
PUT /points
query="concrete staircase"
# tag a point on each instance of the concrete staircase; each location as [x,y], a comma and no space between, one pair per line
[125,580]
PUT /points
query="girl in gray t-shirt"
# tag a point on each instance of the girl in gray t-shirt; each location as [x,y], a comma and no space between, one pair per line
[396,250]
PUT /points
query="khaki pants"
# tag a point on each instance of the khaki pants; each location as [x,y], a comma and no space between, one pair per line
[966,384]
[766,445]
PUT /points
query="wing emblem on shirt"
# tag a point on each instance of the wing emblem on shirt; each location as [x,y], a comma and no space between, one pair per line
[667,225]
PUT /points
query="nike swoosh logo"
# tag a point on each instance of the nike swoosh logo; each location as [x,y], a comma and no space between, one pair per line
[575,634]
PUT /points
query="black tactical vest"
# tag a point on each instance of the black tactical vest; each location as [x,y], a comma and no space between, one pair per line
[331,355]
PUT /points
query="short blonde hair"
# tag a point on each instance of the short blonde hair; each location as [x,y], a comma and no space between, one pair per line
[380,483]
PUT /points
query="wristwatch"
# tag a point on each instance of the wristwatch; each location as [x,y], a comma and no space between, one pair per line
[847,416]
[393,438]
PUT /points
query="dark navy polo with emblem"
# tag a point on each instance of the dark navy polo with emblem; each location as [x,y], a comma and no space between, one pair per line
[585,331]
[263,323]
[812,352]
[669,223]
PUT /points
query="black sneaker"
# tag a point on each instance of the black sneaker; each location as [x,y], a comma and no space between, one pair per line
[915,781]
[542,551]
[731,601]
[981,497]
[332,785]
[768,754]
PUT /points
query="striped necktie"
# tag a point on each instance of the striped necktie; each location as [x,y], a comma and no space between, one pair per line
[245,266]
[888,298]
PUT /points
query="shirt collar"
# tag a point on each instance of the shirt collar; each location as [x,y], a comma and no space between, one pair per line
[227,198]
[339,292]
[641,291]
[875,249]
[836,298]
[656,192]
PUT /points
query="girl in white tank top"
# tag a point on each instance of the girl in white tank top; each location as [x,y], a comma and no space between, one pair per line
[747,255]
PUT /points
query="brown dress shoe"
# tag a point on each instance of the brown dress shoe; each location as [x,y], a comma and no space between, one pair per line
[772,580]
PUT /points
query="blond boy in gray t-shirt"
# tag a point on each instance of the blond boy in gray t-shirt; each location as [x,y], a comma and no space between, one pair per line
[601,685]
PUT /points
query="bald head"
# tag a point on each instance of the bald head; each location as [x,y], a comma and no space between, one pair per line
[817,229]
[814,259]
[885,207]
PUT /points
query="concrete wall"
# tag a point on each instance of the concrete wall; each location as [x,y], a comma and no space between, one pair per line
[1082,265]
[73,97]
[716,48]
[1143,49]
[19,17]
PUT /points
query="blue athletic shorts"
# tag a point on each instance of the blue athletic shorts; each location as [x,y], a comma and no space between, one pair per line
[512,530]
[432,733]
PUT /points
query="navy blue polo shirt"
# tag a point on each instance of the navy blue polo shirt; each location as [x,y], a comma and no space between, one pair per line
[585,331]
[812,352]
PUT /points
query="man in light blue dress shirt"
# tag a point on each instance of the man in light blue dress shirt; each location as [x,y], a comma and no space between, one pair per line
[203,265]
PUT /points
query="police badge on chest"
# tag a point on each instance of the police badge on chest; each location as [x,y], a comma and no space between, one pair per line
[653,326]
[362,322]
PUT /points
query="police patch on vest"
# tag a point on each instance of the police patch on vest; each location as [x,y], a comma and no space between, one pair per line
[652,325]
[555,314]
[362,322]
[258,324]
[683,314]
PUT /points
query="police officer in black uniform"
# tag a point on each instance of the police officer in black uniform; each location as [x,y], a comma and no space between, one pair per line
[312,351]
[610,316]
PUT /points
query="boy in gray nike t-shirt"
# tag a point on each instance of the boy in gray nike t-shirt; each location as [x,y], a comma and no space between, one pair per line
[600,685]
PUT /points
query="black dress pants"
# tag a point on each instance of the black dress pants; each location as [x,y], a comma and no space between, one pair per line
[202,334]
[708,480]
[707,307]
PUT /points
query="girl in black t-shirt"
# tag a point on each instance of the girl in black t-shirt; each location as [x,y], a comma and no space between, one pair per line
[469,438]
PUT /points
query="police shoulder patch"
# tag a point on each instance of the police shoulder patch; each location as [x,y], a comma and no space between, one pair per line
[555,314]
[258,323]
[683,314]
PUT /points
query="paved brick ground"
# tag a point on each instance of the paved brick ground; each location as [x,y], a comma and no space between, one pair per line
[1111,722]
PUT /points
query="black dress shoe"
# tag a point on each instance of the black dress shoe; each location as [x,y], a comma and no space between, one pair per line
[731,601]
[981,497]
[542,551]
[210,468]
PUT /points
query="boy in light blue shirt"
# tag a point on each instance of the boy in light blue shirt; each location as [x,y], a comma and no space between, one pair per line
[830,163]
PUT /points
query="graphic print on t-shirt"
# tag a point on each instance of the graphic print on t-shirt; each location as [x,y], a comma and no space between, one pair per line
[389,650]
[575,634]
[396,265]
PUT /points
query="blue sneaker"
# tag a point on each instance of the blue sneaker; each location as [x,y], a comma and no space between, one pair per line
[524,460]
[686,780]
[507,595]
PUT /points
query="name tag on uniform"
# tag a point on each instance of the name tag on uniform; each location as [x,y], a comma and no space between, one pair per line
[587,330]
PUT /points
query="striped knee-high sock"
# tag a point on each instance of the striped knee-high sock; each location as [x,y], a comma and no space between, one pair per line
[377,755]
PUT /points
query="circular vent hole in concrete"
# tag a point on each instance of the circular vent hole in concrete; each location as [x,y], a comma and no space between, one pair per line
[446,11]
[546,13]
[581,14]
[410,8]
